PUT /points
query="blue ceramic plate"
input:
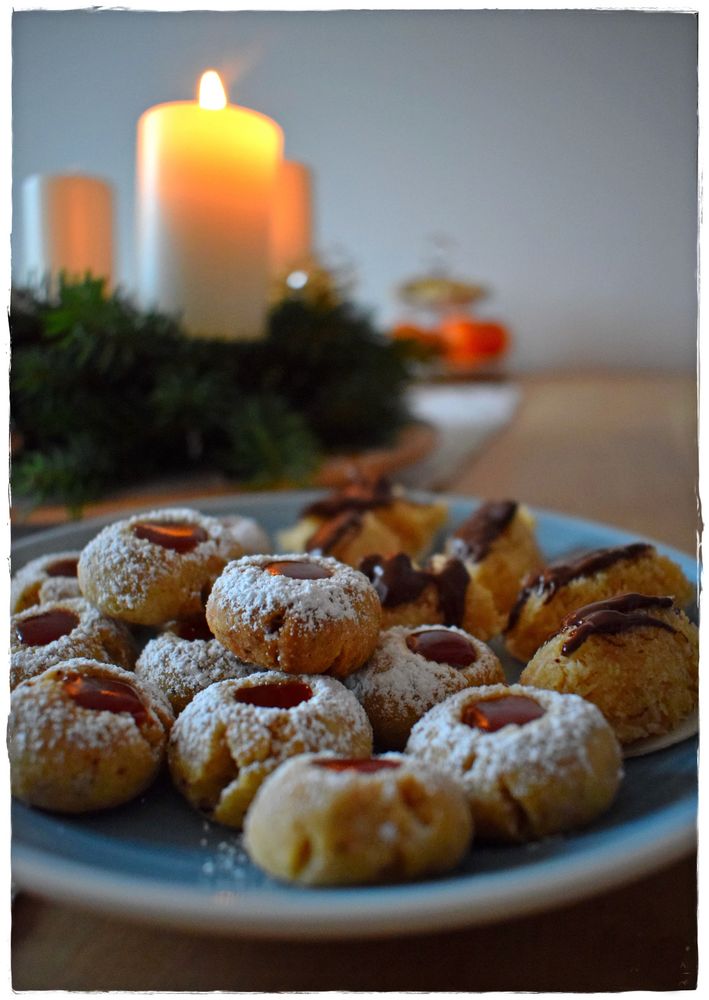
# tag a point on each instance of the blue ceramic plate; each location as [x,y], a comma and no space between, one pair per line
[156,860]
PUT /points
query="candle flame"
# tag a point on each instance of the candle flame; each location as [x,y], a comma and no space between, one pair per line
[212,95]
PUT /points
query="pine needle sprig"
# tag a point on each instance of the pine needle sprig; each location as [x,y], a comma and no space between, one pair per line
[105,395]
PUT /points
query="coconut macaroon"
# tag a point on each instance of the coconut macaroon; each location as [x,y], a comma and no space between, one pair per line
[440,593]
[154,567]
[531,762]
[51,633]
[413,669]
[47,578]
[499,548]
[85,735]
[185,659]
[634,656]
[325,820]
[236,732]
[298,614]
[363,517]
[548,597]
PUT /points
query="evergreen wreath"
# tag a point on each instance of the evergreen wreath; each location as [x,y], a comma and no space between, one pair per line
[104,395]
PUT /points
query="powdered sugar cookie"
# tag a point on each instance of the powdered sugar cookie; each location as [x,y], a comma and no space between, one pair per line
[85,735]
[157,566]
[548,597]
[498,546]
[248,533]
[50,633]
[48,578]
[636,657]
[325,820]
[411,670]
[236,732]
[185,659]
[441,593]
[298,614]
[532,762]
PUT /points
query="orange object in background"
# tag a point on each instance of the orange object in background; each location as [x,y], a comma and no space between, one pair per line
[468,341]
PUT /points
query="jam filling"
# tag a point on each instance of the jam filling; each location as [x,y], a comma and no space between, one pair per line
[194,628]
[473,538]
[298,570]
[62,567]
[179,536]
[397,582]
[280,694]
[493,714]
[359,495]
[104,694]
[365,765]
[440,646]
[46,627]
[546,583]
[610,617]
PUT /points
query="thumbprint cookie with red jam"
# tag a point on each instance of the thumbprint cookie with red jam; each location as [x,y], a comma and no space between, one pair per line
[85,735]
[499,548]
[185,659]
[634,656]
[236,732]
[546,599]
[532,762]
[300,614]
[411,670]
[326,820]
[151,568]
[48,578]
[46,634]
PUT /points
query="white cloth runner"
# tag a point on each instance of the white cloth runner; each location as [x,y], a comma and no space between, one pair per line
[466,417]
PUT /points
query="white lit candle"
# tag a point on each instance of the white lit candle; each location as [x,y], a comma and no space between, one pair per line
[292,220]
[67,226]
[206,172]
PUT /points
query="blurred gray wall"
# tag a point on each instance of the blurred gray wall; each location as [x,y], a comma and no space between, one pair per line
[556,150]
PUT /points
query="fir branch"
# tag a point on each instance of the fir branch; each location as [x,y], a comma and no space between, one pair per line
[103,394]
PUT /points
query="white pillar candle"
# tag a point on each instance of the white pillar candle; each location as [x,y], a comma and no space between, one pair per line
[206,171]
[67,226]
[292,218]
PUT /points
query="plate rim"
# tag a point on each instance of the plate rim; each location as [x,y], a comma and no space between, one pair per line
[409,908]
[357,912]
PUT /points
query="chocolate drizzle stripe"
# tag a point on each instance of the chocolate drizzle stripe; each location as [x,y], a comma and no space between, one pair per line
[358,496]
[618,614]
[398,582]
[548,582]
[473,538]
[332,532]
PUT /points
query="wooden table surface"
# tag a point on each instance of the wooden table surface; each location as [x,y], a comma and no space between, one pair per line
[615,448]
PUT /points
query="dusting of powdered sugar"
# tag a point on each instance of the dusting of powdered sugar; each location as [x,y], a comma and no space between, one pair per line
[406,681]
[226,859]
[332,719]
[182,667]
[46,722]
[94,636]
[118,562]
[248,533]
[548,746]
[33,576]
[246,590]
